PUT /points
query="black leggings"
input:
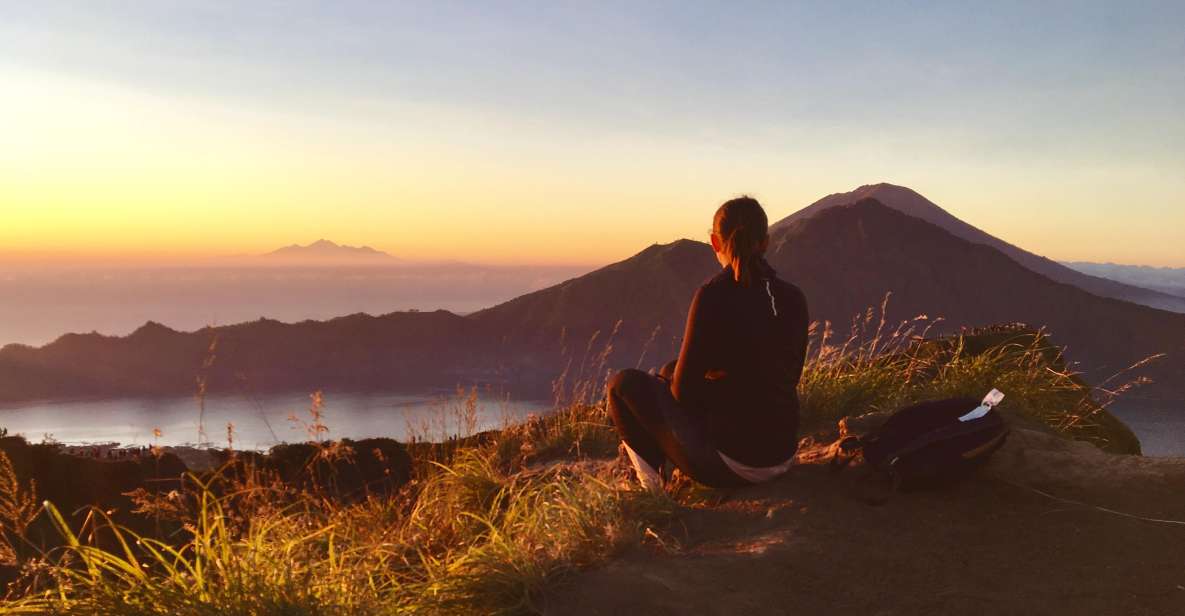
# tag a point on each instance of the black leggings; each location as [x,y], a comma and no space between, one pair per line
[652,423]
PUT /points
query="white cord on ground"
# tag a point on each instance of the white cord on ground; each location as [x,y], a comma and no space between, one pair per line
[1088,505]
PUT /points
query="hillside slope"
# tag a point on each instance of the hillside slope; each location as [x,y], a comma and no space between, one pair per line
[910,202]
[648,294]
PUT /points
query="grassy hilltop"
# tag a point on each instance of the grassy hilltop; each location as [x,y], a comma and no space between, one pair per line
[481,524]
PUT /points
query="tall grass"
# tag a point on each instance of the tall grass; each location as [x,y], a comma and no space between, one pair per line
[877,369]
[490,520]
[482,533]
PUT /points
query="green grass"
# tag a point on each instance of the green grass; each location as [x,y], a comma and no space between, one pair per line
[489,522]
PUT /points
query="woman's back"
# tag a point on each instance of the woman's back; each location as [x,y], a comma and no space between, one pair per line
[729,414]
[741,361]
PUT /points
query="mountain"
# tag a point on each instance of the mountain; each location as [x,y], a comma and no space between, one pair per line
[845,258]
[637,307]
[910,202]
[328,253]
[403,350]
[1169,280]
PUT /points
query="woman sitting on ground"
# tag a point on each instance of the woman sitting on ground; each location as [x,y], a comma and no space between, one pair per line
[726,411]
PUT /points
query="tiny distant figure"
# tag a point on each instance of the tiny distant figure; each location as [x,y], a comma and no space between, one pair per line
[726,411]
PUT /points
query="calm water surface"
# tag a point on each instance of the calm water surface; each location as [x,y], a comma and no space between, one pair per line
[258,423]
[264,421]
[1159,426]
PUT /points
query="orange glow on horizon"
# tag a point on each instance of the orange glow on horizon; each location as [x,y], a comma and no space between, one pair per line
[92,171]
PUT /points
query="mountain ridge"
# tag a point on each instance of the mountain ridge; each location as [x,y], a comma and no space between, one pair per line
[930,271]
[626,314]
[910,202]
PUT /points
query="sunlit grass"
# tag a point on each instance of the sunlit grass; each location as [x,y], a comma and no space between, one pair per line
[879,369]
[483,529]
[489,521]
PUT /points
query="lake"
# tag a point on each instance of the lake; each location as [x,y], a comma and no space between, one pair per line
[1159,426]
[261,422]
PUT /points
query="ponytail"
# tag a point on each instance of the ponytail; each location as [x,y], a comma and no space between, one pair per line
[742,227]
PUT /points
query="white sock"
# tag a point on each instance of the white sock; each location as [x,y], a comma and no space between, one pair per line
[647,476]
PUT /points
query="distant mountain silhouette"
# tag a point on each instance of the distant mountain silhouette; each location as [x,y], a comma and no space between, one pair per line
[1169,280]
[910,202]
[325,251]
[845,258]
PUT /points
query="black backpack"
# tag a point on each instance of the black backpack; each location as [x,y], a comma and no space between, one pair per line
[931,444]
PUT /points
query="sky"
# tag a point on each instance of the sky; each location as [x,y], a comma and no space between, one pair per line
[564,133]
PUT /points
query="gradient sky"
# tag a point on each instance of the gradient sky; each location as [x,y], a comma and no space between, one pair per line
[578,132]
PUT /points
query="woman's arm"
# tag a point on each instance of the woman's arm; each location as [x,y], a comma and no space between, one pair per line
[690,382]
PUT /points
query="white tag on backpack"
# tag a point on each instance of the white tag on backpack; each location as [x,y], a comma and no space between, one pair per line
[989,401]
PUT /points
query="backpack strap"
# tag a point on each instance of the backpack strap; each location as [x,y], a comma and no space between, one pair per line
[847,449]
[844,451]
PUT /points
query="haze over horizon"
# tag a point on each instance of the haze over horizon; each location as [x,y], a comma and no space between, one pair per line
[146,132]
[372,306]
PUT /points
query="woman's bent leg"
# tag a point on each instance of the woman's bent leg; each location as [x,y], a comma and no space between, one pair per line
[634,409]
[656,430]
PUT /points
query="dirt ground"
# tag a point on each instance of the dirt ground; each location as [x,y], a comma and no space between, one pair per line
[811,543]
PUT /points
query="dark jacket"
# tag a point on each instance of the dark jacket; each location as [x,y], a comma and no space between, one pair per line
[740,363]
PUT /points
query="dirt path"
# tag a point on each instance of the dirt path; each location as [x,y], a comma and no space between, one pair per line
[809,543]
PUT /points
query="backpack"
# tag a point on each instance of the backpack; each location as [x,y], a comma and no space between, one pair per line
[931,444]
